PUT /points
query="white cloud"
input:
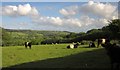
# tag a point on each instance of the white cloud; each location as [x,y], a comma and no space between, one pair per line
[98,9]
[23,24]
[20,10]
[57,21]
[83,23]
[103,10]
[24,9]
[48,20]
[69,11]
[97,13]
[9,10]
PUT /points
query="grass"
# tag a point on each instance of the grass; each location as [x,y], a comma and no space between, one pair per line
[54,56]
[0,57]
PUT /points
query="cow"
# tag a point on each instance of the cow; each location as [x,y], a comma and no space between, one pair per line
[76,45]
[113,51]
[71,46]
[91,44]
[102,41]
[28,44]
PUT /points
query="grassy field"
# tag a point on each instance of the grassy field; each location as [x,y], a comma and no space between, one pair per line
[54,56]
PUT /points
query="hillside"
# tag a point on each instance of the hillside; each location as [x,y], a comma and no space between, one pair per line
[18,37]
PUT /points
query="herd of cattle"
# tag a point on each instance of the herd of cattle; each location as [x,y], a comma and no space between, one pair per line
[113,51]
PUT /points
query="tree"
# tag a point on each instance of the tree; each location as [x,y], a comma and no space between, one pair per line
[71,35]
[114,25]
[113,29]
[6,37]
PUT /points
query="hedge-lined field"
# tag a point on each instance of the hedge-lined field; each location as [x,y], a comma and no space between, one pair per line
[54,56]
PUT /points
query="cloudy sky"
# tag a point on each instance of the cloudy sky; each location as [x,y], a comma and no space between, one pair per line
[60,16]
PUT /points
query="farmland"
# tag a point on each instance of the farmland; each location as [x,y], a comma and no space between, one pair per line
[49,48]
[54,56]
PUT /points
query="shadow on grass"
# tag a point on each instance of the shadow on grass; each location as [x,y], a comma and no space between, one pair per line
[96,59]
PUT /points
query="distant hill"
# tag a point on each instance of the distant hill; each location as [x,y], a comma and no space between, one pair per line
[18,37]
[44,32]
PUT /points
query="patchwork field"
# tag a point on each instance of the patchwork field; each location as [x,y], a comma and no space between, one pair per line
[54,56]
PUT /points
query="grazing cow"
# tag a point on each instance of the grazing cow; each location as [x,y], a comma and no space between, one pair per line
[113,51]
[70,46]
[76,45]
[91,44]
[102,41]
[73,46]
[28,44]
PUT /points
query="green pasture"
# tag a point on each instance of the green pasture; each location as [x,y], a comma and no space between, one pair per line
[54,56]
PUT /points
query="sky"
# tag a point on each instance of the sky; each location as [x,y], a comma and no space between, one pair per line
[58,16]
[58,0]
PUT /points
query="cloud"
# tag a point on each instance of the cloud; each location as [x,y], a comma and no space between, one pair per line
[98,9]
[103,10]
[23,24]
[57,21]
[92,15]
[48,20]
[9,10]
[69,11]
[20,10]
[83,23]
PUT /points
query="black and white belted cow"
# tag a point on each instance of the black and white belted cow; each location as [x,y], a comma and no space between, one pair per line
[28,44]
[71,46]
[113,51]
[91,44]
[101,41]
